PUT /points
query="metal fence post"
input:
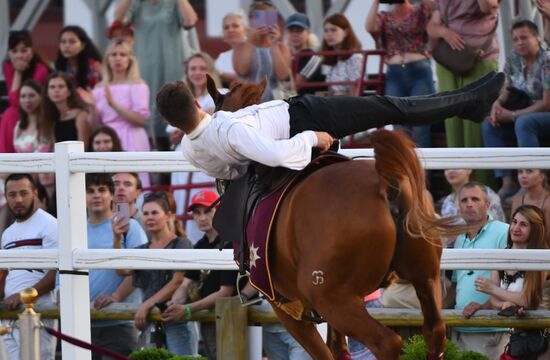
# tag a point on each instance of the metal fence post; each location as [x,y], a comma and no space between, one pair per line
[72,234]
[29,327]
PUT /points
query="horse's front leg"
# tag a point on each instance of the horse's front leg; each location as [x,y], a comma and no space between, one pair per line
[429,293]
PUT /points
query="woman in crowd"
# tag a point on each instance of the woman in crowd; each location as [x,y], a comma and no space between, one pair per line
[299,39]
[159,285]
[63,115]
[535,192]
[121,101]
[196,68]
[263,54]
[339,35]
[78,57]
[402,33]
[527,69]
[23,63]
[511,287]
[159,47]
[457,178]
[27,136]
[235,27]
[102,139]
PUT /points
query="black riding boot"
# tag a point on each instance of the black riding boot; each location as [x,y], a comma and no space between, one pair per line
[341,116]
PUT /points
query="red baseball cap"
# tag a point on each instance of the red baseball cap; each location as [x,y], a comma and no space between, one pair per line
[203,197]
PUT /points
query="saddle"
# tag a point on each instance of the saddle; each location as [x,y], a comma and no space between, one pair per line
[241,197]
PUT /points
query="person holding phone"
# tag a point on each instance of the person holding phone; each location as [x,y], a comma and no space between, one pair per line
[263,54]
[106,285]
[158,286]
[401,32]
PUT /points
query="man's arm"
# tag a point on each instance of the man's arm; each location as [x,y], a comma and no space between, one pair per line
[293,153]
[121,9]
[44,285]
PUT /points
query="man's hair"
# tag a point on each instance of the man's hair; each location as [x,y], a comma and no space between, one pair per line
[99,179]
[16,177]
[528,24]
[139,186]
[474,184]
[176,103]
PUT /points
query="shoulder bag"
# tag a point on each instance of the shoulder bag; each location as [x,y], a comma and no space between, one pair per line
[460,62]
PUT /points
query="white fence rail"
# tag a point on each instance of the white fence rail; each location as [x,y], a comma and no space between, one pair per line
[73,259]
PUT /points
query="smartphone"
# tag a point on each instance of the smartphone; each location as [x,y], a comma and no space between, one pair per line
[122,212]
[262,18]
[161,306]
[392,1]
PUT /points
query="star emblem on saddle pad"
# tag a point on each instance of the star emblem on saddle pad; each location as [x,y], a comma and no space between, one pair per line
[253,255]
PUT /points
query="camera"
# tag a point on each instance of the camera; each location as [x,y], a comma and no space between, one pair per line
[392,1]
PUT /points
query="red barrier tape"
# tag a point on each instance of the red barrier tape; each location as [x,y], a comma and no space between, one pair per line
[85,345]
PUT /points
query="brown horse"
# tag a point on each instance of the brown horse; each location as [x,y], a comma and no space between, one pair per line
[335,240]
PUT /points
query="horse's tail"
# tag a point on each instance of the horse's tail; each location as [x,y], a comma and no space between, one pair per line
[402,175]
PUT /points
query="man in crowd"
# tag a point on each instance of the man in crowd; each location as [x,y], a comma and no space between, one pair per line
[33,229]
[490,234]
[128,189]
[117,336]
[213,284]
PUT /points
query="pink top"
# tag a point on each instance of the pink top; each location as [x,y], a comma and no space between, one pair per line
[11,115]
[399,36]
[134,97]
[467,19]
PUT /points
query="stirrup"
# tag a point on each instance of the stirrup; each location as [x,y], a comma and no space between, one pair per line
[243,298]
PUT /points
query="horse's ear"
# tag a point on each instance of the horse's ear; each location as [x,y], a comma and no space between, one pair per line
[213,89]
[262,85]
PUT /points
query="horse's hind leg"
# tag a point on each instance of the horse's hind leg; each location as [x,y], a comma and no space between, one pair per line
[347,314]
[429,294]
[306,334]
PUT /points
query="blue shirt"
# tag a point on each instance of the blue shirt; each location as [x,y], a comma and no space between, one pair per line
[493,235]
[100,236]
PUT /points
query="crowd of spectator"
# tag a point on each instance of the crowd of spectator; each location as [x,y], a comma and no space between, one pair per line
[107,103]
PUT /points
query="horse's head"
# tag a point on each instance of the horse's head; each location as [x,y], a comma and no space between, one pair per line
[241,94]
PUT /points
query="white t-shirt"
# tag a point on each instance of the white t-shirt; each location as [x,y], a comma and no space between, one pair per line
[224,62]
[223,144]
[37,232]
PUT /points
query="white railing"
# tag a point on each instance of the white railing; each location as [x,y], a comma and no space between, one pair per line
[73,259]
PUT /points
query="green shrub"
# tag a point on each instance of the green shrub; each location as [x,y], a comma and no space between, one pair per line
[151,354]
[472,355]
[415,349]
[160,354]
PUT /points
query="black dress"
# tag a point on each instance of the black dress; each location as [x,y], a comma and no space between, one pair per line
[65,130]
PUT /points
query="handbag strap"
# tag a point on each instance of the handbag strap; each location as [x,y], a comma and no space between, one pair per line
[490,36]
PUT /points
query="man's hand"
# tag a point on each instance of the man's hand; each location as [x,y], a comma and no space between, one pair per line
[140,319]
[104,300]
[13,301]
[324,140]
[174,312]
[471,309]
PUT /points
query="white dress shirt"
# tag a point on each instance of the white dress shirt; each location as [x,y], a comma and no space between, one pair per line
[222,145]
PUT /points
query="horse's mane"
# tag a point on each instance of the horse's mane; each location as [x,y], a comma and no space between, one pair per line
[241,94]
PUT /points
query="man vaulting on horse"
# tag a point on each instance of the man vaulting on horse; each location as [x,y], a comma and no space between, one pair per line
[283,133]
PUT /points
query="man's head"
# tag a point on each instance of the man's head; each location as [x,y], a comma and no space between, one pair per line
[127,187]
[21,195]
[473,202]
[200,204]
[99,195]
[176,103]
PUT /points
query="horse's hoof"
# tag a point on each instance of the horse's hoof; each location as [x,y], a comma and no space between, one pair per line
[345,356]
[431,356]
